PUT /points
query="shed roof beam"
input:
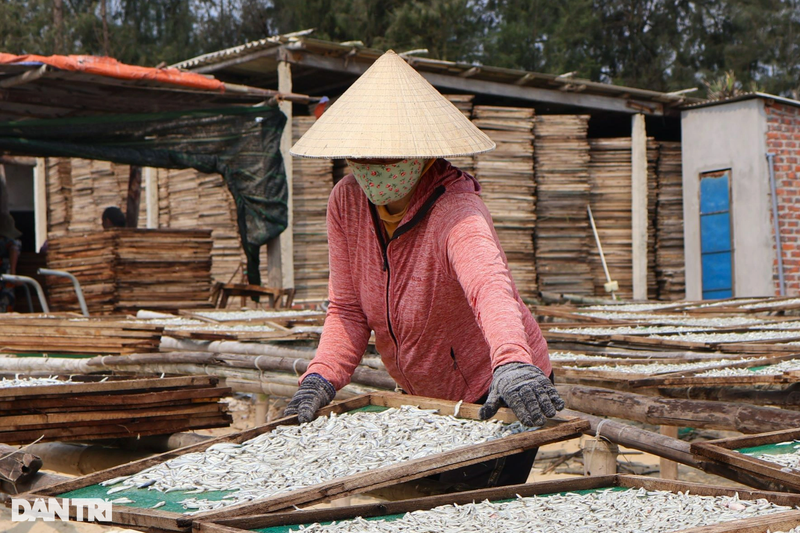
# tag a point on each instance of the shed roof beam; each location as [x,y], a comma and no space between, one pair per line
[510,90]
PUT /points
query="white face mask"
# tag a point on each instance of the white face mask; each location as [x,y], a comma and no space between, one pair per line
[386,183]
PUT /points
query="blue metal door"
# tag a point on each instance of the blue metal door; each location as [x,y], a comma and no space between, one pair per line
[716,245]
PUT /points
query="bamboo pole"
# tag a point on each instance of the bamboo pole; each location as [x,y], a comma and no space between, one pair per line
[740,417]
[787,398]
[273,383]
[663,446]
[170,344]
[82,459]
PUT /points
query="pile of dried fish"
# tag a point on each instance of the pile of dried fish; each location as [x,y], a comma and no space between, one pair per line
[294,457]
[677,320]
[569,356]
[748,336]
[730,303]
[772,370]
[774,303]
[190,324]
[793,324]
[30,382]
[256,314]
[630,307]
[663,368]
[627,330]
[630,511]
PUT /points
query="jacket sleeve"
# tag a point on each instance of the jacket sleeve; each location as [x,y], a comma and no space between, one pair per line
[345,334]
[475,258]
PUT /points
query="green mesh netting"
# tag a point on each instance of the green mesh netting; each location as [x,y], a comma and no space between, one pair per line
[240,143]
[779,448]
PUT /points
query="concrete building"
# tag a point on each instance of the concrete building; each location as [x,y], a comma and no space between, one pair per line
[741,194]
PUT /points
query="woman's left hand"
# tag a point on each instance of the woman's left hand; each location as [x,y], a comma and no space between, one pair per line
[526,390]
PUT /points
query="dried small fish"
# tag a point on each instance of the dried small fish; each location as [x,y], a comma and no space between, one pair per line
[292,457]
[663,368]
[159,504]
[747,336]
[772,370]
[630,511]
[121,501]
[31,382]
[789,461]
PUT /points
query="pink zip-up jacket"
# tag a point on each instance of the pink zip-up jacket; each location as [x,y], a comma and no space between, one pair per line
[438,295]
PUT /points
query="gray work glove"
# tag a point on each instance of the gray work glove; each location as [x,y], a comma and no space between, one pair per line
[314,392]
[526,390]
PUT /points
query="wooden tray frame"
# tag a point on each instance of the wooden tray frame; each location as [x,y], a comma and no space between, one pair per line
[245,524]
[724,451]
[154,520]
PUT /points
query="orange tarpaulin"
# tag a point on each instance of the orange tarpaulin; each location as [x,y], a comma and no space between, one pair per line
[110,67]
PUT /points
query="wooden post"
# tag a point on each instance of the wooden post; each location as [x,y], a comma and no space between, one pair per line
[3,191]
[639,205]
[151,198]
[40,201]
[58,22]
[280,251]
[669,469]
[599,457]
[134,197]
[262,408]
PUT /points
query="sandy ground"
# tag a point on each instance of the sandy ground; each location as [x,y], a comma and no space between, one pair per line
[550,465]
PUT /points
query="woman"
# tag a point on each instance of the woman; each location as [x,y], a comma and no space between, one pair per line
[414,257]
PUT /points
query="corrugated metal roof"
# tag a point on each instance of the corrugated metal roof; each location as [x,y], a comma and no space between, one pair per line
[300,42]
[219,56]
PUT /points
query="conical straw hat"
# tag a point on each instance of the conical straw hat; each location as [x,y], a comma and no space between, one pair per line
[391,111]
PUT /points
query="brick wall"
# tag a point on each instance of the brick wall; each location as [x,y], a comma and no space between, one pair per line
[783,140]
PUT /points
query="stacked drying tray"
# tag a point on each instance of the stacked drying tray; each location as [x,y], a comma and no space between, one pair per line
[77,408]
[126,269]
[312,182]
[509,189]
[670,271]
[562,233]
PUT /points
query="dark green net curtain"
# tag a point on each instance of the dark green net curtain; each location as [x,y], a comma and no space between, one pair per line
[242,144]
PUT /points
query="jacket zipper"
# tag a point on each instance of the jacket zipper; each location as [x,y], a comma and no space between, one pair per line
[439,191]
[385,251]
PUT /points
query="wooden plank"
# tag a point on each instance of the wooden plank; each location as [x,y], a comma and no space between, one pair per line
[723,451]
[114,401]
[10,393]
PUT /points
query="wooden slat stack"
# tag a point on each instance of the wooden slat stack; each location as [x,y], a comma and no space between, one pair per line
[464,104]
[190,199]
[312,182]
[562,233]
[58,176]
[508,187]
[670,263]
[652,202]
[116,408]
[90,258]
[126,269]
[22,334]
[610,173]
